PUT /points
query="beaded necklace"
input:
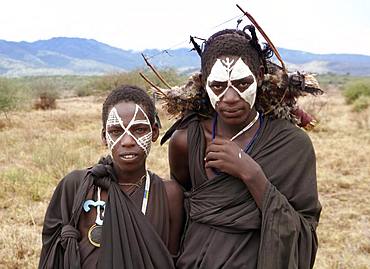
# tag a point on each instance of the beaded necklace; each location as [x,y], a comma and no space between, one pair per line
[246,128]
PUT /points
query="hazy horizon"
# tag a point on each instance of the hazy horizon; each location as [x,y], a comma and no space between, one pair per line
[163,50]
[320,27]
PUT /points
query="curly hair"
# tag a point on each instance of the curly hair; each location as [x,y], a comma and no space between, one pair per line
[128,93]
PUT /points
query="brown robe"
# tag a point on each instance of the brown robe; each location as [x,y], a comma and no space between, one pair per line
[226,229]
[129,239]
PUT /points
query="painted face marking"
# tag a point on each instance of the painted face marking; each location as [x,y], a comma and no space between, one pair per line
[143,141]
[227,71]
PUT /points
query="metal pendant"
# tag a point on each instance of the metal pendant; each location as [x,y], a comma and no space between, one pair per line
[95,234]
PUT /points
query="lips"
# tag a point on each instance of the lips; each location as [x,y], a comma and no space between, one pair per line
[232,113]
[128,156]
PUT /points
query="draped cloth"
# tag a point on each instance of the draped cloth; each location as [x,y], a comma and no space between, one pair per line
[128,240]
[225,228]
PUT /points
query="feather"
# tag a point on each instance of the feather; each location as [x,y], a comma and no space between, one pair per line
[305,120]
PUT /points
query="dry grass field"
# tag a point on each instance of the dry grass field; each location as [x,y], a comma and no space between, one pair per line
[38,147]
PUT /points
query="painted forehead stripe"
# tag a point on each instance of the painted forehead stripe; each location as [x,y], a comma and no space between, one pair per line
[114,119]
[226,70]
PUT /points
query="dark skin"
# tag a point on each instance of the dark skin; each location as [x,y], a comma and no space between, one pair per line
[234,113]
[129,165]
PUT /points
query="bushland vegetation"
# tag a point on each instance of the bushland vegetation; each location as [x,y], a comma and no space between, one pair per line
[39,147]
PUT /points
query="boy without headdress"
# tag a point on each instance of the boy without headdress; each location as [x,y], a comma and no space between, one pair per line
[116,214]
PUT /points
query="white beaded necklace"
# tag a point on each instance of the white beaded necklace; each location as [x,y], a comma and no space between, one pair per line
[246,128]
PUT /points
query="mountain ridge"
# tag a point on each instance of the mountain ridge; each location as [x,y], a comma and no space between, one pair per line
[80,56]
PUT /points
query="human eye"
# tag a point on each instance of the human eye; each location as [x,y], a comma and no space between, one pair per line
[141,129]
[217,86]
[115,131]
[244,83]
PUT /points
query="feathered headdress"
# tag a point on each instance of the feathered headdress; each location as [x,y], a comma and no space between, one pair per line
[276,96]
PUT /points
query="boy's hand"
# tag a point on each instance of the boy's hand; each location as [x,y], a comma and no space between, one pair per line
[228,157]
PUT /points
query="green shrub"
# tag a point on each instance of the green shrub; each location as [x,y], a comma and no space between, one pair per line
[8,95]
[44,87]
[361,103]
[64,86]
[356,89]
[109,82]
[44,93]
[84,91]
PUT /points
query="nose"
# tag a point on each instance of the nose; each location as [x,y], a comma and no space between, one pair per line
[127,141]
[230,96]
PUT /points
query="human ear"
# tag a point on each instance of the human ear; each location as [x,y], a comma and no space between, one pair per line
[155,132]
[103,138]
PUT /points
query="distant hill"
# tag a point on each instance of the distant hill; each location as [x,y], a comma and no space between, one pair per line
[78,56]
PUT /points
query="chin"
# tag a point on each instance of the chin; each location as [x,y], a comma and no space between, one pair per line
[235,118]
[234,121]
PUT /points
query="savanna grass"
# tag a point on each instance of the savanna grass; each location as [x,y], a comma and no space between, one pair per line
[40,147]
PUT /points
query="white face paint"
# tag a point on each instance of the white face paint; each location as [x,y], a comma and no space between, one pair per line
[143,141]
[227,71]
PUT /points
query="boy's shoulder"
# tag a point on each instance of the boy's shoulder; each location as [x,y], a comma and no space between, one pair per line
[180,128]
[171,186]
[156,179]
[76,174]
[286,133]
[73,179]
[283,126]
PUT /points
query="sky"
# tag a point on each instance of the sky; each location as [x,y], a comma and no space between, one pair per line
[318,26]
